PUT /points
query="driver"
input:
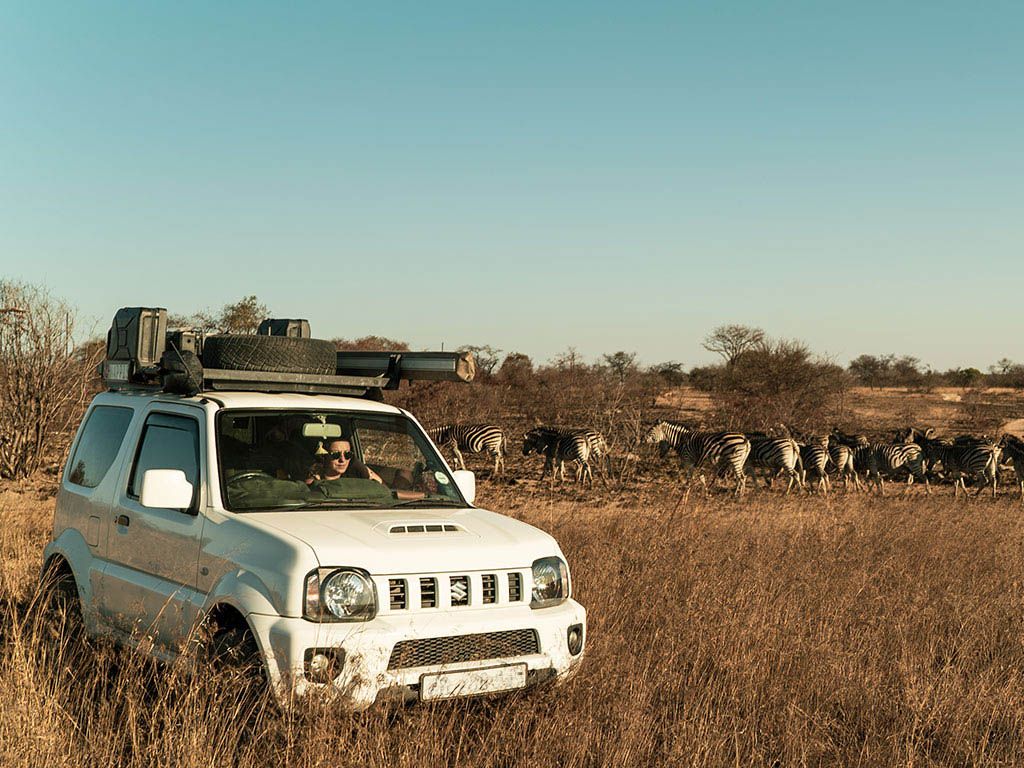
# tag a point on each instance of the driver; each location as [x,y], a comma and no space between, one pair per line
[339,461]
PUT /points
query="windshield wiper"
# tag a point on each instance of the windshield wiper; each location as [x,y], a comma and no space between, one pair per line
[319,504]
[428,503]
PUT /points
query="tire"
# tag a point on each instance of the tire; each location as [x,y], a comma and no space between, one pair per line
[277,354]
[234,658]
[234,652]
[61,606]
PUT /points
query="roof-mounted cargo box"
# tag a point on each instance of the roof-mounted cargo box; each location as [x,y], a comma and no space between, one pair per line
[141,353]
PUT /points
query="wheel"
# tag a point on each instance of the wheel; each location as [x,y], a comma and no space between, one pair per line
[278,354]
[61,605]
[233,652]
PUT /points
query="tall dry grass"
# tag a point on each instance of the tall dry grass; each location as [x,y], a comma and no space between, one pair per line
[765,631]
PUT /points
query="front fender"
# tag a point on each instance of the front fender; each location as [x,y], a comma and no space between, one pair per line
[244,591]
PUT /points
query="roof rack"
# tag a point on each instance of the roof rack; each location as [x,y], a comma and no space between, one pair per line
[142,354]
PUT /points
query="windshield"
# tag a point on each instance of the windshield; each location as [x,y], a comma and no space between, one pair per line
[277,460]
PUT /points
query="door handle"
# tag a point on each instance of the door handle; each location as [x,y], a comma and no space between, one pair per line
[122,520]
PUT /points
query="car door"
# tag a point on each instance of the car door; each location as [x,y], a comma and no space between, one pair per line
[149,579]
[89,486]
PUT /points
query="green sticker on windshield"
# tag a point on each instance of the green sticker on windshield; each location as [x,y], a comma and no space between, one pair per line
[442,478]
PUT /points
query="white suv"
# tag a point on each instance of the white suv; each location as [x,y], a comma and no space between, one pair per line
[184,518]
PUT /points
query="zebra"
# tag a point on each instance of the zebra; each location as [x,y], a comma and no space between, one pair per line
[667,434]
[559,445]
[966,457]
[814,456]
[473,438]
[1013,449]
[726,451]
[876,458]
[776,455]
[840,451]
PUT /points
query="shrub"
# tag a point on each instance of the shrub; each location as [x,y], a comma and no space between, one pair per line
[779,383]
[44,378]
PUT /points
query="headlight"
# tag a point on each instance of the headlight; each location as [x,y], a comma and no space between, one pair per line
[550,582]
[339,594]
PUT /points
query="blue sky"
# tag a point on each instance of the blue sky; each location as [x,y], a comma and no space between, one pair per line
[531,175]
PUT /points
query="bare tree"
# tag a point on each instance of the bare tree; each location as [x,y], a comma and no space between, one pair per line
[486,357]
[244,316]
[569,360]
[779,383]
[44,378]
[621,364]
[731,341]
[371,344]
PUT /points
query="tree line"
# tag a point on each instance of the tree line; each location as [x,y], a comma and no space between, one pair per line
[47,378]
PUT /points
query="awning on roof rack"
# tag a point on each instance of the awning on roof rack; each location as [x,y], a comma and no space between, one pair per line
[308,383]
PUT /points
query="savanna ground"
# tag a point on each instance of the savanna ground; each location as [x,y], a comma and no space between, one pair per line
[769,630]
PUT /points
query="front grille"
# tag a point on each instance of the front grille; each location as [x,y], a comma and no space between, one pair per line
[490,588]
[515,587]
[428,593]
[432,651]
[398,592]
[460,590]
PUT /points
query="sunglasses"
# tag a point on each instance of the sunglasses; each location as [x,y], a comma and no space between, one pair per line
[335,455]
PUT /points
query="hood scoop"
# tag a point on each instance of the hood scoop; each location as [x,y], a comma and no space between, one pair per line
[414,529]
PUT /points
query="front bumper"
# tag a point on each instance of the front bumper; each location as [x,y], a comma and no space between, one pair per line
[365,676]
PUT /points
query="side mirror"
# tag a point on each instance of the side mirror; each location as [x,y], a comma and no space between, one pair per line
[466,481]
[166,489]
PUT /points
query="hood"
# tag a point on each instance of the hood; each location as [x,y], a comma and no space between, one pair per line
[409,541]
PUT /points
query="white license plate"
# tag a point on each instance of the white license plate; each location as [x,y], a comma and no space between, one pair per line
[472,682]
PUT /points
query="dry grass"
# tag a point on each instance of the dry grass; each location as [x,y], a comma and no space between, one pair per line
[766,631]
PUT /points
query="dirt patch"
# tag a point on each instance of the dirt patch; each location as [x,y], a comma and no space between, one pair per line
[1014,427]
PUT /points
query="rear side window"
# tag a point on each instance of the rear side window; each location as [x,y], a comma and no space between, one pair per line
[101,439]
[168,442]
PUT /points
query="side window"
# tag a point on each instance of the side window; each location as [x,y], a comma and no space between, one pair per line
[167,442]
[101,440]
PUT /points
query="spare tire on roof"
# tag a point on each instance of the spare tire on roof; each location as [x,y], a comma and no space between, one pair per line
[278,354]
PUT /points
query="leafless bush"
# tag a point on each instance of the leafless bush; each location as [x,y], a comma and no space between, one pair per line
[371,344]
[44,378]
[778,383]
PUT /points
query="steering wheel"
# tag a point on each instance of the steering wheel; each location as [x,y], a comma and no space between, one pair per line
[246,476]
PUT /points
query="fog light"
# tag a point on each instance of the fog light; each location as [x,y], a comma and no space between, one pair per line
[324,664]
[574,637]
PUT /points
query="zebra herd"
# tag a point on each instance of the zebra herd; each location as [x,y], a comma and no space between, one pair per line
[806,462]
[556,444]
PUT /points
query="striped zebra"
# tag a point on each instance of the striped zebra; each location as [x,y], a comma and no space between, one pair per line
[814,456]
[840,450]
[472,438]
[966,457]
[722,451]
[1013,449]
[875,458]
[776,455]
[559,445]
[667,434]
